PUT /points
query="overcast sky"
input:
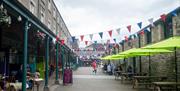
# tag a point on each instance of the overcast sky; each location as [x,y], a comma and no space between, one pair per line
[84,17]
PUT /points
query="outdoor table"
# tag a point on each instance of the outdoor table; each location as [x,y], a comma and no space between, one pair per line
[146,80]
[125,76]
[159,86]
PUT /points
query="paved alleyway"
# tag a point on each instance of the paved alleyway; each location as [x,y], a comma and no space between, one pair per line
[84,80]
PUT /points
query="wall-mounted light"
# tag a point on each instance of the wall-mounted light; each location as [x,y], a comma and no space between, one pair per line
[19,18]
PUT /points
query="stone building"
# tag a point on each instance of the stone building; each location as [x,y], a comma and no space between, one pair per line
[47,12]
[162,64]
[28,30]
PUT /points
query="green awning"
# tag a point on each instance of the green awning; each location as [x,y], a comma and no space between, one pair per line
[147,52]
[169,43]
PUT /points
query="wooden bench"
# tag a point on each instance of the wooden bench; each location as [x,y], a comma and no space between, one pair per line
[146,80]
[170,86]
[117,74]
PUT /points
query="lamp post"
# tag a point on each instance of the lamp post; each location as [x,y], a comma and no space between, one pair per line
[46,88]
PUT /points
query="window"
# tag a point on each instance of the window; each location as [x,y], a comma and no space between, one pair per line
[54,12]
[43,2]
[57,19]
[54,28]
[49,5]
[42,14]
[49,24]
[32,6]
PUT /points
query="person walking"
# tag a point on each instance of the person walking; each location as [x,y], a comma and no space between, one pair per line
[94,66]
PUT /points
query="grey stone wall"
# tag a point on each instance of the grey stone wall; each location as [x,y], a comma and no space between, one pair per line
[161,64]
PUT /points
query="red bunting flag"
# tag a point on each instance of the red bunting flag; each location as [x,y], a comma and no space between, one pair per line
[86,42]
[141,32]
[110,33]
[57,38]
[126,38]
[62,42]
[82,37]
[163,17]
[129,28]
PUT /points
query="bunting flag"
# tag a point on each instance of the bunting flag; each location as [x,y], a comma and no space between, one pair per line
[132,37]
[62,42]
[135,35]
[126,38]
[139,24]
[82,37]
[118,30]
[86,42]
[101,34]
[129,28]
[57,38]
[174,13]
[163,17]
[148,29]
[114,40]
[141,32]
[73,38]
[91,36]
[95,42]
[110,33]
[151,21]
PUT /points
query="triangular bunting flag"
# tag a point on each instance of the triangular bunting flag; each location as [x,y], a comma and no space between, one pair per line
[91,36]
[151,21]
[82,37]
[135,35]
[129,28]
[110,33]
[95,42]
[86,42]
[114,40]
[118,30]
[163,17]
[62,42]
[126,38]
[57,38]
[139,24]
[73,38]
[101,34]
[132,37]
[148,29]
[174,13]
[141,32]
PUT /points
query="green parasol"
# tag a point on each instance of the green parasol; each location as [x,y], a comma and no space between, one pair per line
[170,43]
[148,52]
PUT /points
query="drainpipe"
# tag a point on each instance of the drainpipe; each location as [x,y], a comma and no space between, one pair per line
[139,41]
